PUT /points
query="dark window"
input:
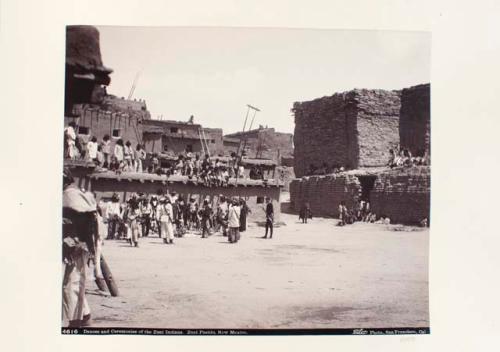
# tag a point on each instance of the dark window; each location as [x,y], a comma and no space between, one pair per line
[174,129]
[83,130]
[260,200]
[165,148]
[212,141]
[189,148]
[116,132]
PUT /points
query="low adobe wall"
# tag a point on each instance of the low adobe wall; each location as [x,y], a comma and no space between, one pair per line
[403,195]
[324,193]
[254,196]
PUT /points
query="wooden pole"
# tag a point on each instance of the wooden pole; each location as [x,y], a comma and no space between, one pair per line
[108,277]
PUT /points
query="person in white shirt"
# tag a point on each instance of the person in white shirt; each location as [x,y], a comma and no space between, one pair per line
[166,214]
[146,211]
[234,221]
[106,150]
[133,215]
[128,156]
[222,212]
[241,172]
[119,155]
[70,137]
[114,215]
[139,156]
[92,149]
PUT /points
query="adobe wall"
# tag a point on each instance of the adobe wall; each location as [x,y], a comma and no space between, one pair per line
[414,124]
[104,188]
[230,146]
[264,143]
[351,129]
[321,132]
[103,122]
[130,106]
[324,193]
[377,125]
[214,140]
[403,195]
[153,143]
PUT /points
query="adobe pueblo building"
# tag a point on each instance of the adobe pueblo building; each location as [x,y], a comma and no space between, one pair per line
[356,130]
[262,143]
[351,129]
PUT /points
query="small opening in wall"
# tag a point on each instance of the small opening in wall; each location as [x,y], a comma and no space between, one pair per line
[84,130]
[260,200]
[116,133]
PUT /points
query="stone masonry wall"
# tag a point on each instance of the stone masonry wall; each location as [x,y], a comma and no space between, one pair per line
[414,125]
[321,132]
[351,129]
[377,125]
[324,193]
[403,195]
[263,143]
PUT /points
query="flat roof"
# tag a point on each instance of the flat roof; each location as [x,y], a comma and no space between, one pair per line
[146,177]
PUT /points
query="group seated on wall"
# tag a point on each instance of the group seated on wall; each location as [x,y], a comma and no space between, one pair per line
[400,156]
[212,171]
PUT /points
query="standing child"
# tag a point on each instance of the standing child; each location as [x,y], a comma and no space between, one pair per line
[269,217]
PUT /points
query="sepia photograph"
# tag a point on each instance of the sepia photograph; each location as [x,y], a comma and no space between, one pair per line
[239,181]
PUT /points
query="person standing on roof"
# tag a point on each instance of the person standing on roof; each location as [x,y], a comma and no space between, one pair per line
[70,140]
[106,150]
[119,155]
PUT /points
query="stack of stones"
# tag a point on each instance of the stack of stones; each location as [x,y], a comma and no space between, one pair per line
[414,124]
[351,129]
[403,195]
[324,193]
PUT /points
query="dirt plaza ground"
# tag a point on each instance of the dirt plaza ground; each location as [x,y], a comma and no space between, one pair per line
[314,275]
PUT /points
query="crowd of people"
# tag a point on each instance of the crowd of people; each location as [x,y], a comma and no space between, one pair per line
[398,156]
[359,212]
[124,157]
[170,215]
[402,157]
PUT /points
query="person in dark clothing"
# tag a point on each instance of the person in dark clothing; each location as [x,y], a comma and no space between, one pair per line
[305,213]
[269,217]
[206,213]
[146,212]
[245,210]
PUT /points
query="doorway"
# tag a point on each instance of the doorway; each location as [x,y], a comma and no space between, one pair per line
[367,183]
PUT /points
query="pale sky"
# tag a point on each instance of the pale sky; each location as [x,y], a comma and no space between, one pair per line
[212,73]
